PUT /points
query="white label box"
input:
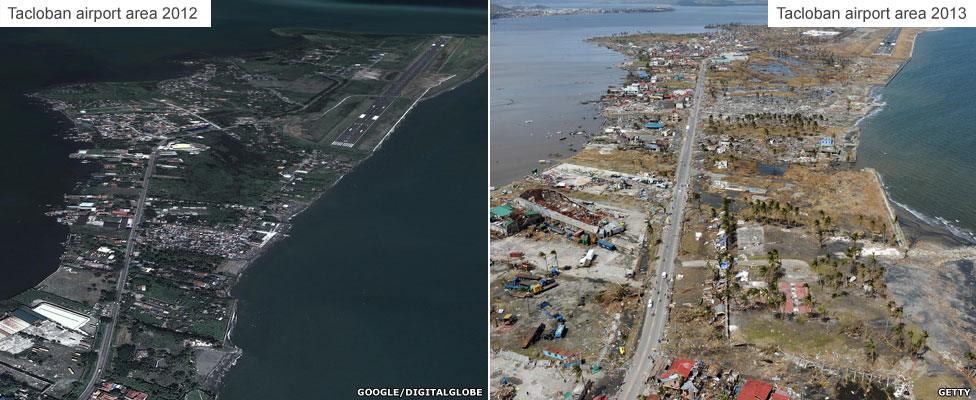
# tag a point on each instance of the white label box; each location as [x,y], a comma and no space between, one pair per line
[104,14]
[872,13]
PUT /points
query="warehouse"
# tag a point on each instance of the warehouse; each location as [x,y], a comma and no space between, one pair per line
[66,318]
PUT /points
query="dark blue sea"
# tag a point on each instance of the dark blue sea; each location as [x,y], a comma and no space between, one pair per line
[381,283]
[923,142]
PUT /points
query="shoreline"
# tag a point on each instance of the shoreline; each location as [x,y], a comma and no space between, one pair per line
[236,267]
[896,226]
[244,263]
[926,226]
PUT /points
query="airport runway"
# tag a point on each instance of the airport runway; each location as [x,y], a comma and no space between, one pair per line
[351,135]
[888,45]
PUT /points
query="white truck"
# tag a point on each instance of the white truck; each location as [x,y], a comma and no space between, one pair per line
[587,260]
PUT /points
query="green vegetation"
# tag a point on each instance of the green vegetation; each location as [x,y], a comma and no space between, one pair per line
[28,297]
[227,173]
[196,395]
[116,91]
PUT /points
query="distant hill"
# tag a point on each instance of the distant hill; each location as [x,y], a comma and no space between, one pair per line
[497,11]
[518,10]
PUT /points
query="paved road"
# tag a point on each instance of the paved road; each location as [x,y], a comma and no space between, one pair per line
[354,132]
[105,346]
[656,313]
[888,45]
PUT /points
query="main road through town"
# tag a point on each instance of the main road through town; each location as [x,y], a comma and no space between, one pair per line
[105,346]
[659,293]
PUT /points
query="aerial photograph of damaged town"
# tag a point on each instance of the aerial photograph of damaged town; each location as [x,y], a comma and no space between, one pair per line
[687,204]
[156,167]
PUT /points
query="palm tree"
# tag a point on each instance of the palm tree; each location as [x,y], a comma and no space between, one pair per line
[898,331]
[772,272]
[853,253]
[920,346]
[775,299]
[871,350]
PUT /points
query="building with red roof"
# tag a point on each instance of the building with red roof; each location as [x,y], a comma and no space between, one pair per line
[680,366]
[135,395]
[755,390]
[795,293]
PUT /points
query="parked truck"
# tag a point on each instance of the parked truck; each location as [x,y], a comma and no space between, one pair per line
[560,331]
[587,259]
[606,244]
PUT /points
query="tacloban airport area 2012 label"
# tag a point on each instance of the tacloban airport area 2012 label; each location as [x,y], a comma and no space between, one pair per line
[104,13]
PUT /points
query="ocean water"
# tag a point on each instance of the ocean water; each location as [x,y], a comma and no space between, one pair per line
[382,282]
[542,70]
[923,142]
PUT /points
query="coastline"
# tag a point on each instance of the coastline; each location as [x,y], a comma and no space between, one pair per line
[216,376]
[899,233]
[924,226]
[236,267]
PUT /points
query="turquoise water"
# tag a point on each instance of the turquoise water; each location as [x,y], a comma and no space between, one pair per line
[923,142]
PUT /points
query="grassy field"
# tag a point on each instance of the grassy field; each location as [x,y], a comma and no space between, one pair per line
[469,54]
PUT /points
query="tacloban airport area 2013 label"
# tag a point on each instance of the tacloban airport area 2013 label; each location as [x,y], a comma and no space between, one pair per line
[871,13]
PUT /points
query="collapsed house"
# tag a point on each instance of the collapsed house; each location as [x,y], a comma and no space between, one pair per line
[557,206]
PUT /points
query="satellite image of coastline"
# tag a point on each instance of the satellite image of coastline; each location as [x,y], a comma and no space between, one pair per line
[688,204]
[285,199]
[233,212]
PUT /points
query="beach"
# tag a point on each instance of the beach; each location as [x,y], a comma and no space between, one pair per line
[918,140]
